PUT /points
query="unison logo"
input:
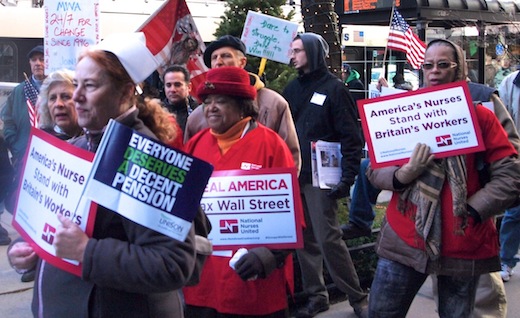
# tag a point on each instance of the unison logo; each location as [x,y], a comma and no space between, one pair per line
[165,221]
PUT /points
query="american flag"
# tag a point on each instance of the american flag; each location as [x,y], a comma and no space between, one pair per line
[31,96]
[402,38]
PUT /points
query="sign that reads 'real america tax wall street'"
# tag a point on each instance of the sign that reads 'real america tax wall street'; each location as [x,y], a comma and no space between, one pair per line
[251,208]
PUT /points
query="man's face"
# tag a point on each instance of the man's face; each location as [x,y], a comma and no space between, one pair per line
[175,87]
[37,66]
[227,56]
[298,56]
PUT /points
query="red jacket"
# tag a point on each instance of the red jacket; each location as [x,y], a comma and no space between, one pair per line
[479,240]
[220,287]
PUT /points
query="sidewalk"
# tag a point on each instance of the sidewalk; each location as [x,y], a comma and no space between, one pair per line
[15,296]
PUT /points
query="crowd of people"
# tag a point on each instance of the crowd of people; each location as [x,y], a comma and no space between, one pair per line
[131,270]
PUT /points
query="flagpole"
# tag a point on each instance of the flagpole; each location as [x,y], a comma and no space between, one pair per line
[261,68]
[386,48]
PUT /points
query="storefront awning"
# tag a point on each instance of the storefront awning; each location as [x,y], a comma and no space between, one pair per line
[437,13]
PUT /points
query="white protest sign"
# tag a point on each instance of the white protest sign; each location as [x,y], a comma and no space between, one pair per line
[249,208]
[268,37]
[443,117]
[70,26]
[53,178]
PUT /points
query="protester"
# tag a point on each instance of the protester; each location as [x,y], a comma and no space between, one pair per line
[235,140]
[16,118]
[273,110]
[401,83]
[503,71]
[364,196]
[6,178]
[56,112]
[177,88]
[461,243]
[57,116]
[510,228]
[127,269]
[15,115]
[351,78]
[490,298]
[323,109]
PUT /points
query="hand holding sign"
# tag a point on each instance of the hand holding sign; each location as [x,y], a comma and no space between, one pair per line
[420,159]
[71,241]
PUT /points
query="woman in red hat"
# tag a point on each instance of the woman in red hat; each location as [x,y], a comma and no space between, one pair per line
[235,140]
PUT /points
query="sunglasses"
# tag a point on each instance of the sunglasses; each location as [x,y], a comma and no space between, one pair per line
[442,65]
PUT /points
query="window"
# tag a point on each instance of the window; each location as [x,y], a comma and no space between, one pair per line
[8,61]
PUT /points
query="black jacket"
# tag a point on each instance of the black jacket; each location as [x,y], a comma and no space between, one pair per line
[128,269]
[334,120]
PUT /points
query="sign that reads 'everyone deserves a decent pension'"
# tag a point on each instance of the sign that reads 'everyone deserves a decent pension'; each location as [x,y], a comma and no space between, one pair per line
[268,37]
[52,180]
[147,181]
[443,117]
[249,208]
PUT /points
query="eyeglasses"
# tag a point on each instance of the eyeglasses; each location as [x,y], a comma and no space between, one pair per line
[442,65]
[295,51]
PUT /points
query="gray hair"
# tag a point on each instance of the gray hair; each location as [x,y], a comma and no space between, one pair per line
[61,76]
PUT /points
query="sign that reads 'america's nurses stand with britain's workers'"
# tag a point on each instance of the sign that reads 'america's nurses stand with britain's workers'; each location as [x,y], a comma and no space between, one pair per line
[443,117]
[147,181]
[52,180]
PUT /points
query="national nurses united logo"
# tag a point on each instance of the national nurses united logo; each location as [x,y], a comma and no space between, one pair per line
[444,140]
[48,233]
[228,226]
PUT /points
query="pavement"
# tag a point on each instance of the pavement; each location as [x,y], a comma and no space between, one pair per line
[15,296]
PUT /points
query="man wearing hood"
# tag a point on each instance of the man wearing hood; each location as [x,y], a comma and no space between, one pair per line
[323,109]
[351,78]
[274,111]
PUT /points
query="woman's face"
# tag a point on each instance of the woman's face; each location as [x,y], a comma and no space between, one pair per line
[222,112]
[96,98]
[61,106]
[439,65]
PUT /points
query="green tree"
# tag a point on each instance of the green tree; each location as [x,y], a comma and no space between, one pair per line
[276,75]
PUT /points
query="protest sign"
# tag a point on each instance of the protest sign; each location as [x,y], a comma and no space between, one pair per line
[268,37]
[250,208]
[327,166]
[443,117]
[70,26]
[147,181]
[53,178]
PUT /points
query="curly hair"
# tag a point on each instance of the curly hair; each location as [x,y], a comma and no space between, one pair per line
[57,77]
[150,110]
